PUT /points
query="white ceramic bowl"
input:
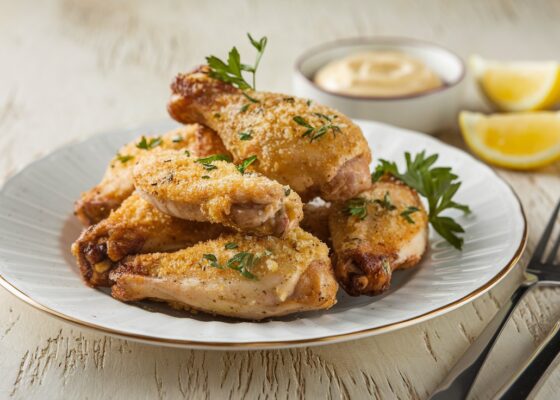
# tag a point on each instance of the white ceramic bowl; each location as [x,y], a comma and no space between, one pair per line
[428,112]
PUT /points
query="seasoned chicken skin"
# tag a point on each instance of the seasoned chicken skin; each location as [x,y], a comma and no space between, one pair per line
[116,185]
[393,234]
[135,227]
[268,276]
[216,191]
[312,148]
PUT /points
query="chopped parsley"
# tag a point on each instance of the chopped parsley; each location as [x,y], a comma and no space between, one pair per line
[245,163]
[230,246]
[124,158]
[207,161]
[148,144]
[406,213]
[248,135]
[316,132]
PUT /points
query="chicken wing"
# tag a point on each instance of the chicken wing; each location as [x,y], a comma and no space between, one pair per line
[116,185]
[236,276]
[388,230]
[135,227]
[216,191]
[312,148]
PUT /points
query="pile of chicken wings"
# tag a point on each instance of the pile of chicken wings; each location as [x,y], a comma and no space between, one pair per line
[245,210]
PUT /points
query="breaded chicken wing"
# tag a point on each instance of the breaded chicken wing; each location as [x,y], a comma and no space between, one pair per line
[116,185]
[216,191]
[236,276]
[389,230]
[135,227]
[312,148]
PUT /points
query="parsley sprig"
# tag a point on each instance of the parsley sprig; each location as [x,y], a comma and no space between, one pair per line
[437,184]
[232,70]
[315,132]
[148,144]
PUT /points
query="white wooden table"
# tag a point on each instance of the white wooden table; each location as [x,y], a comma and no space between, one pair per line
[72,68]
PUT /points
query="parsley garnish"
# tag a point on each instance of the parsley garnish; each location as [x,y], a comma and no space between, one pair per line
[308,102]
[207,161]
[437,184]
[205,177]
[124,158]
[287,191]
[357,207]
[148,144]
[245,163]
[213,260]
[242,262]
[244,107]
[232,71]
[246,135]
[406,213]
[177,139]
[386,202]
[231,246]
[187,153]
[315,132]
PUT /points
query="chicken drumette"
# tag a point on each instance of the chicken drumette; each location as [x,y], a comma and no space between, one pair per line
[384,229]
[236,276]
[214,190]
[312,148]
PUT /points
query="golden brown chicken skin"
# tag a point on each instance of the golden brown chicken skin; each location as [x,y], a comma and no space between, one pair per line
[216,191]
[235,275]
[314,149]
[116,184]
[368,248]
[135,227]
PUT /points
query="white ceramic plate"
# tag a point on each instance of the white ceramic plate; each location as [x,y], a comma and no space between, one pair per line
[37,228]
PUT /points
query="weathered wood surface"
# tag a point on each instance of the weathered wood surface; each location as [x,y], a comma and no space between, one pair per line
[73,68]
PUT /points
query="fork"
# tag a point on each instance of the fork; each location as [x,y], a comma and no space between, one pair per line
[461,378]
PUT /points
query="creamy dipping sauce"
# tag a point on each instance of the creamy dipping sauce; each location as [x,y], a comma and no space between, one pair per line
[378,74]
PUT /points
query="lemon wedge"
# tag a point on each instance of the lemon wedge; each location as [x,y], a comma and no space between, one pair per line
[524,140]
[518,86]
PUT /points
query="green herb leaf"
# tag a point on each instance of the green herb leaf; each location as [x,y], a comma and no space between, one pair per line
[177,139]
[437,184]
[287,192]
[243,262]
[246,135]
[213,260]
[207,161]
[232,71]
[187,153]
[124,158]
[231,246]
[316,132]
[205,177]
[148,144]
[244,107]
[406,213]
[386,202]
[357,207]
[245,163]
